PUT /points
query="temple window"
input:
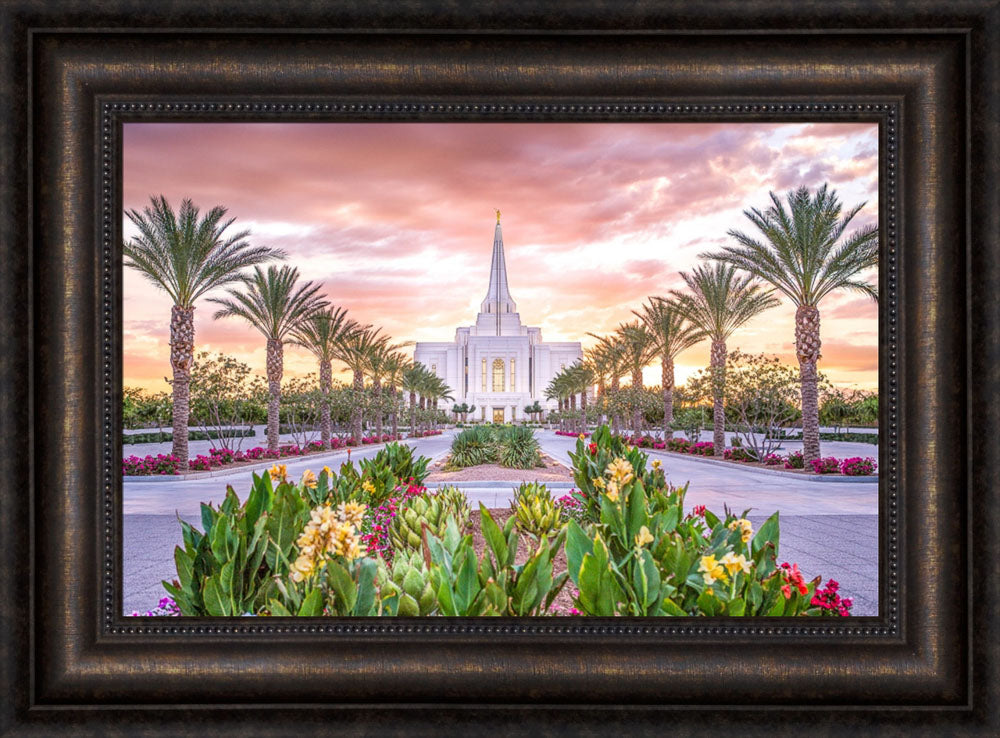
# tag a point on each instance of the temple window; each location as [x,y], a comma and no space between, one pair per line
[498,383]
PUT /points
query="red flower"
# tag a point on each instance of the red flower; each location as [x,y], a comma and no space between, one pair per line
[786,590]
[593,449]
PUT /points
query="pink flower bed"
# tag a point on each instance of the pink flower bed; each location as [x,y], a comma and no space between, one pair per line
[138,466]
[135,466]
[426,433]
[571,434]
[858,467]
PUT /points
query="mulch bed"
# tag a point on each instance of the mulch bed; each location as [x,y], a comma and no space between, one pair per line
[553,471]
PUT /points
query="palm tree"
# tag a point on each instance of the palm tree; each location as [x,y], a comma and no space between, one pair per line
[355,351]
[580,379]
[412,381]
[379,359]
[273,304]
[805,255]
[638,347]
[672,333]
[187,257]
[320,334]
[719,302]
[393,369]
[612,359]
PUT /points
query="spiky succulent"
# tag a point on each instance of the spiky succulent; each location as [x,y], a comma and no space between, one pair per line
[406,590]
[432,510]
[535,512]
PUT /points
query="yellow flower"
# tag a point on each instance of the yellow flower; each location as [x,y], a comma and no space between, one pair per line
[612,491]
[598,483]
[279,473]
[712,569]
[367,486]
[656,463]
[327,471]
[309,480]
[644,537]
[620,470]
[734,563]
[710,591]
[582,437]
[745,526]
[303,567]
[351,512]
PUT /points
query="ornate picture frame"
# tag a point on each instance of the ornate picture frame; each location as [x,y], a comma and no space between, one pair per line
[73,76]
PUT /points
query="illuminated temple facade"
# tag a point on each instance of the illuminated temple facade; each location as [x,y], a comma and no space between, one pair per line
[498,365]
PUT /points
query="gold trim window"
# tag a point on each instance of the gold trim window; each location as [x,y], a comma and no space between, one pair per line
[498,383]
[513,383]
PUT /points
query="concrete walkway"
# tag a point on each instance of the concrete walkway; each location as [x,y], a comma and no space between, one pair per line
[828,529]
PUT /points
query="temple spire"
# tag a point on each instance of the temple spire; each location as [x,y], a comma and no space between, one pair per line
[498,299]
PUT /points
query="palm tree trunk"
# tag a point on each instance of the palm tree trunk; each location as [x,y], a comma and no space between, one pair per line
[394,413]
[181,354]
[807,346]
[377,392]
[616,420]
[572,409]
[325,383]
[413,413]
[357,421]
[667,380]
[583,410]
[718,372]
[275,368]
[637,412]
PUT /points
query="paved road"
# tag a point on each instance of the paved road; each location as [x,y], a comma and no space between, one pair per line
[828,529]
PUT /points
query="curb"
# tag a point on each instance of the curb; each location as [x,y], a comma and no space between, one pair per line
[495,484]
[823,478]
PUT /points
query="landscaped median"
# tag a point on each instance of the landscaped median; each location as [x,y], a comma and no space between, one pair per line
[376,542]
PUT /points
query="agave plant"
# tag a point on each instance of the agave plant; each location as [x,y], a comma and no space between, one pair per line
[430,511]
[535,512]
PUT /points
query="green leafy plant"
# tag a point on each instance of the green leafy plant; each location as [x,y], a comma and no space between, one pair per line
[228,568]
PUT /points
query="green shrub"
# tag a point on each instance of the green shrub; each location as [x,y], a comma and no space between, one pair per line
[507,445]
[193,435]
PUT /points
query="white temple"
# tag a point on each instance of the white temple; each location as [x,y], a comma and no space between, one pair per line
[498,365]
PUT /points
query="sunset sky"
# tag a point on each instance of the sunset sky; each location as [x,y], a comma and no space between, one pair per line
[396,221]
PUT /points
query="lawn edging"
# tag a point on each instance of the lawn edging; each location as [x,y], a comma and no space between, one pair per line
[828,478]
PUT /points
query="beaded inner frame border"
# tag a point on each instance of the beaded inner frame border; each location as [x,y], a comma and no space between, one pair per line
[114,113]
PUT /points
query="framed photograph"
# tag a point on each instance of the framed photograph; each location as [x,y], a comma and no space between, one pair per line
[512,224]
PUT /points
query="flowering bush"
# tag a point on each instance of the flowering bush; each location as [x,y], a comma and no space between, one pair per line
[829,465]
[570,507]
[678,444]
[138,466]
[425,433]
[705,448]
[794,460]
[738,453]
[857,467]
[200,463]
[571,434]
[830,602]
[773,459]
[378,523]
[166,608]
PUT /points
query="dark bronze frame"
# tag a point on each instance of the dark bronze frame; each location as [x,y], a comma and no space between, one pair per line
[71,74]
